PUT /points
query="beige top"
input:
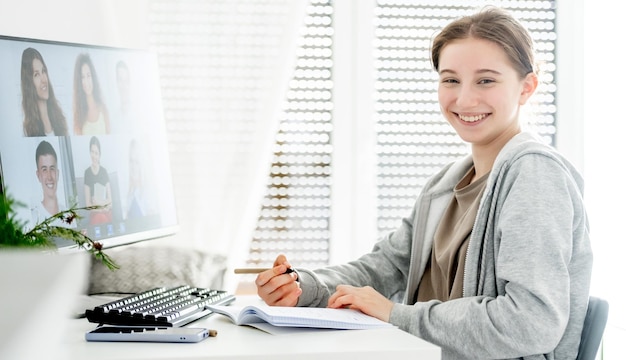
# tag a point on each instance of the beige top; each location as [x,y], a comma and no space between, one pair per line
[97,127]
[443,279]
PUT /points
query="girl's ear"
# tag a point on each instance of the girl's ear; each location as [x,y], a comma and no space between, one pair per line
[529,85]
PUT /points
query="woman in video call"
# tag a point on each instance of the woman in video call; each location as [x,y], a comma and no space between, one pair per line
[42,113]
[494,262]
[91,116]
[97,185]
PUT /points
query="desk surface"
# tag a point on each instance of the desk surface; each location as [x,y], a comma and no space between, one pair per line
[243,342]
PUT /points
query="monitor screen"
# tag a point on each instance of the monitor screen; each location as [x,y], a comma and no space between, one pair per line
[83,125]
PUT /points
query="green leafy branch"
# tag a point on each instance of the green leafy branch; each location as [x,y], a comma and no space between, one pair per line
[12,234]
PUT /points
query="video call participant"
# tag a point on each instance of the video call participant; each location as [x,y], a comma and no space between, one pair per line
[48,176]
[97,186]
[125,118]
[91,116]
[123,81]
[495,260]
[139,199]
[42,113]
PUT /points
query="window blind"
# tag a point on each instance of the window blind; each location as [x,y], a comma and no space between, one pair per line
[295,215]
[413,138]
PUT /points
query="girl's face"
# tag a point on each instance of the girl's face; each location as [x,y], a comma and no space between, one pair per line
[40,80]
[86,79]
[480,92]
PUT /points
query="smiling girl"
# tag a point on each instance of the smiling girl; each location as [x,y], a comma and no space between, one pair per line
[91,116]
[42,112]
[495,260]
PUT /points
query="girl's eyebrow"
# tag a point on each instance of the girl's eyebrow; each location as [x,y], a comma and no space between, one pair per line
[490,71]
[480,71]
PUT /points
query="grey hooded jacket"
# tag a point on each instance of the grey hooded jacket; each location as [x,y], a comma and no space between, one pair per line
[527,271]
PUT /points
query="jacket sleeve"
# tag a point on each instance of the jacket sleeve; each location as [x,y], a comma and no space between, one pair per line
[385,269]
[523,285]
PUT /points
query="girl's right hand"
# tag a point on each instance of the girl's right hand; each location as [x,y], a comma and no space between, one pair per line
[276,287]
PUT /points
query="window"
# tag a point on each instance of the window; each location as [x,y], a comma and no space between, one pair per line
[357,123]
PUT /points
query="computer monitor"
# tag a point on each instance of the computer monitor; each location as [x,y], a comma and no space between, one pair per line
[83,125]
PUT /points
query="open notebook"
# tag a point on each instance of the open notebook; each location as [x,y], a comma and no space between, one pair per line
[38,291]
[260,316]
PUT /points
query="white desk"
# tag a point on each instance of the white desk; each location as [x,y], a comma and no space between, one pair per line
[242,342]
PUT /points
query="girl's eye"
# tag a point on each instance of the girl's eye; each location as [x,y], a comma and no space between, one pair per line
[485,81]
[449,81]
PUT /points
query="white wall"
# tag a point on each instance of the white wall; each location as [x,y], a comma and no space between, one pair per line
[96,22]
[605,150]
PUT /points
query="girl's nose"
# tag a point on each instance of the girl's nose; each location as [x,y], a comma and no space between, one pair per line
[466,97]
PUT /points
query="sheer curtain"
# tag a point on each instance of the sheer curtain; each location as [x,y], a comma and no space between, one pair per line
[224,69]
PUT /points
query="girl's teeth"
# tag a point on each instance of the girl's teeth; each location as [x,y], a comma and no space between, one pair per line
[472,118]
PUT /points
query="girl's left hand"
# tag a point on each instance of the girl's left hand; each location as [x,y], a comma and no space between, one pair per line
[364,299]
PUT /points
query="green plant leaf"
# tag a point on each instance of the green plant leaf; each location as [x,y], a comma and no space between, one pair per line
[12,231]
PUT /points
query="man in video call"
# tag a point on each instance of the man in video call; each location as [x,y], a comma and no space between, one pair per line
[48,175]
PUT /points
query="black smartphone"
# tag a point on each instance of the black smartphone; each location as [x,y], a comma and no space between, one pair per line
[147,334]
